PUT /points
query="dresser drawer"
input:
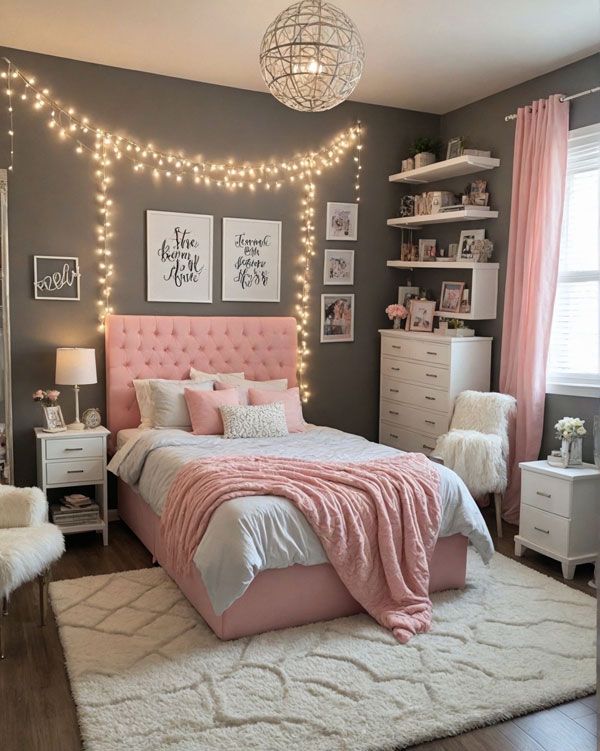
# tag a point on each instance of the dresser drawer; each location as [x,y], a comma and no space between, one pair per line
[421,373]
[546,493]
[74,448]
[405,440]
[418,396]
[416,350]
[544,529]
[432,423]
[81,472]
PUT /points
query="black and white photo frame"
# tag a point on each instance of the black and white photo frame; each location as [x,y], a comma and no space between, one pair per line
[251,260]
[342,221]
[338,267]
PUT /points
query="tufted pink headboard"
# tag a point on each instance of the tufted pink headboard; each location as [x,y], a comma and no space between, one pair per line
[166,346]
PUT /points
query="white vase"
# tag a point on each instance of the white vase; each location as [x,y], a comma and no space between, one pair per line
[571,452]
[397,323]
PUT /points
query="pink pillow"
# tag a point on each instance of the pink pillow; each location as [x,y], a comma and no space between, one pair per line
[241,392]
[291,404]
[203,407]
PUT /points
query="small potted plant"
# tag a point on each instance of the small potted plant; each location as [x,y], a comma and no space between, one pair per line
[424,150]
[396,313]
[570,432]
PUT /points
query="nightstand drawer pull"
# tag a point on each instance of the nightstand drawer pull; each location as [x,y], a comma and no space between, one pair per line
[79,448]
[544,495]
[74,471]
[545,531]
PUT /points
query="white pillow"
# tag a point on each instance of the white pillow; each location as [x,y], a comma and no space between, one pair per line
[262,421]
[200,375]
[169,408]
[234,379]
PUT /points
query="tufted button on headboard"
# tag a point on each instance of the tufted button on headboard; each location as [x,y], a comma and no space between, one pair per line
[166,347]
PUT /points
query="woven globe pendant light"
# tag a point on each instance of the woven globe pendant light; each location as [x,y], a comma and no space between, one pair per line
[312,56]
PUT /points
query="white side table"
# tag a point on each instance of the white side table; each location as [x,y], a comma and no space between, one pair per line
[73,458]
[559,513]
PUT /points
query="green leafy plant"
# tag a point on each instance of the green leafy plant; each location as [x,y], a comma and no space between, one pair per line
[425,144]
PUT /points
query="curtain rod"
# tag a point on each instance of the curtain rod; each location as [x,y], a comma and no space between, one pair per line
[595,90]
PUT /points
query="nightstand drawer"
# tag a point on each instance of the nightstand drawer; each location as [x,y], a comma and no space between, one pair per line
[413,418]
[58,473]
[546,493]
[74,448]
[420,373]
[416,350]
[544,529]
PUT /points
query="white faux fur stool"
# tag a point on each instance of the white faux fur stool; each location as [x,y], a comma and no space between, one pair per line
[28,545]
[476,447]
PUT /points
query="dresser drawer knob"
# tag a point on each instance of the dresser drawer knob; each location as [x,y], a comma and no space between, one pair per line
[75,471]
[431,375]
[394,391]
[395,346]
[430,422]
[432,353]
[396,369]
[545,531]
[430,398]
[429,448]
[544,495]
[80,448]
[391,412]
[393,435]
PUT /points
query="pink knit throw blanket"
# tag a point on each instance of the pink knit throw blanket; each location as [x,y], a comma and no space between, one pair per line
[377,521]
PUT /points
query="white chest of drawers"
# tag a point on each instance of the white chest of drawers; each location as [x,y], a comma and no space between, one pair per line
[421,375]
[559,513]
[75,458]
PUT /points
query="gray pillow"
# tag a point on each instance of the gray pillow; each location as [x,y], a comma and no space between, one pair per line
[169,408]
[260,421]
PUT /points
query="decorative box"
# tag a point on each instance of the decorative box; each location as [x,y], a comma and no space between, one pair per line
[423,159]
[437,199]
[476,152]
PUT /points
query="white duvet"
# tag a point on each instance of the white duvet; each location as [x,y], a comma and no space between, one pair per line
[248,535]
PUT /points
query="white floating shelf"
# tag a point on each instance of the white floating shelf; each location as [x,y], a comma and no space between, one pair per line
[461,316]
[441,265]
[460,165]
[467,214]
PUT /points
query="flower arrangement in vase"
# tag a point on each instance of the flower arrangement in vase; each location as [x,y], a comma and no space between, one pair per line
[570,431]
[396,313]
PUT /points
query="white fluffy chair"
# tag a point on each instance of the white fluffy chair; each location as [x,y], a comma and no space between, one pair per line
[476,447]
[28,545]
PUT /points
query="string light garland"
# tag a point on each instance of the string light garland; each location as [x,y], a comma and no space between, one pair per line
[106,148]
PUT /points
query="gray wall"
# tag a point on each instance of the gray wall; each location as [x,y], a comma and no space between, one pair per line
[52,212]
[482,125]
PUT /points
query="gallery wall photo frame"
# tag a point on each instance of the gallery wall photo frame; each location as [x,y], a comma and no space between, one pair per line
[56,278]
[179,256]
[337,318]
[342,221]
[338,267]
[251,260]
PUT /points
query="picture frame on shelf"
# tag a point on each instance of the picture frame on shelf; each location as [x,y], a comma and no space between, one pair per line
[427,250]
[405,294]
[455,148]
[342,221]
[337,318]
[53,417]
[451,297]
[466,244]
[421,316]
[338,267]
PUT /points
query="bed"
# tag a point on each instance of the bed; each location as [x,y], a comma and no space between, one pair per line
[263,348]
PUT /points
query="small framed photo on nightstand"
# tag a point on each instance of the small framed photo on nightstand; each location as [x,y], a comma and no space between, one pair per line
[55,422]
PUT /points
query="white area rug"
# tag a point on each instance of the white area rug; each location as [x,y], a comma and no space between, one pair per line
[147,673]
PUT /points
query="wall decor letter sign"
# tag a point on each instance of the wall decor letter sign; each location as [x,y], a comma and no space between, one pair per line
[251,260]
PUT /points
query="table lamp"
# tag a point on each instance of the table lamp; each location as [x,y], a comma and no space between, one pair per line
[75,366]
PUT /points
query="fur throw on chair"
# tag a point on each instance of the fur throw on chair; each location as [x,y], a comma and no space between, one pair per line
[476,447]
[25,552]
[22,507]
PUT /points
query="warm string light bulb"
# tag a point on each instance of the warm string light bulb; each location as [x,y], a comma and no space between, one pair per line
[230,176]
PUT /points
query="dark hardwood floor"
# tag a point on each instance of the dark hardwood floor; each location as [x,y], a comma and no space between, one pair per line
[37,712]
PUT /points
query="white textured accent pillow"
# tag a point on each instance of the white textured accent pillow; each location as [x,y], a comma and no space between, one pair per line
[169,408]
[200,375]
[262,421]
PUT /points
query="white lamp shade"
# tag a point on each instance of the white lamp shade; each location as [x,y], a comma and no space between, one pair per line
[75,366]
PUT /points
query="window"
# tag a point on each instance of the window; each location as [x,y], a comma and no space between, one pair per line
[574,356]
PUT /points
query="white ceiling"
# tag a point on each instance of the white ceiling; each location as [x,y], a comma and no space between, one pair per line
[429,55]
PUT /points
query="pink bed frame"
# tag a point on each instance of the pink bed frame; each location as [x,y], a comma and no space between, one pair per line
[263,348]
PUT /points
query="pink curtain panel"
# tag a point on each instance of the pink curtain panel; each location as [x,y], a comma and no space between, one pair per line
[538,187]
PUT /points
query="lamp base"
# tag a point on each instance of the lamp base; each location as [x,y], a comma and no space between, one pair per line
[75,426]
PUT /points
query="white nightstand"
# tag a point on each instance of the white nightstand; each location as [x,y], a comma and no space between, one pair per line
[559,513]
[72,458]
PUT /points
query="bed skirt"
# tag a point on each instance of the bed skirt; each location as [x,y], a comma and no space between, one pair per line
[279,598]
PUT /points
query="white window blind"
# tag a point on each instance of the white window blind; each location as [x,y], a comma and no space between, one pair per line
[574,356]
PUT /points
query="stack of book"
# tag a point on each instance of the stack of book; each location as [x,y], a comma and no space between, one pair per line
[75,509]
